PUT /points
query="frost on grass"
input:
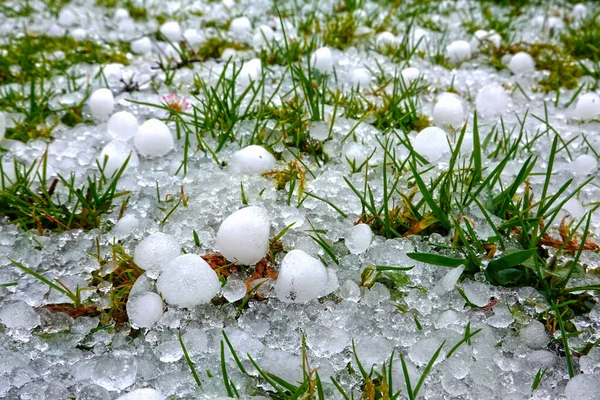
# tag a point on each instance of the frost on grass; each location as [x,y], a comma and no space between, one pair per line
[204,199]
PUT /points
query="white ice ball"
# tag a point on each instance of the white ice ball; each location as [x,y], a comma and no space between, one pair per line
[522,64]
[449,111]
[142,394]
[250,71]
[122,125]
[420,38]
[588,107]
[121,13]
[410,74]
[252,160]
[432,143]
[358,238]
[240,26]
[359,77]
[583,387]
[579,12]
[125,225]
[78,34]
[385,39]
[67,18]
[188,281]
[2,125]
[458,51]
[144,309]
[113,156]
[141,46]
[153,139]
[322,60]
[534,335]
[584,165]
[492,100]
[101,103]
[155,251]
[301,278]
[264,34]
[172,31]
[244,236]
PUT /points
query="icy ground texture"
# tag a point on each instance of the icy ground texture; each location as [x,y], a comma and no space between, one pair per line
[48,355]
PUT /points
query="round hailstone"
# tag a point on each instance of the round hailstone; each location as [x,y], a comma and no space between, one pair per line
[432,143]
[142,394]
[322,60]
[235,289]
[385,39]
[244,235]
[113,156]
[301,278]
[358,238]
[172,31]
[360,77]
[155,251]
[2,125]
[521,64]
[574,208]
[188,281]
[458,51]
[115,371]
[252,160]
[101,103]
[144,309]
[264,34]
[410,74]
[122,126]
[78,34]
[588,107]
[240,26]
[93,392]
[153,139]
[250,71]
[534,335]
[584,165]
[492,100]
[125,225]
[121,13]
[67,17]
[449,111]
[193,37]
[18,314]
[583,387]
[579,11]
[141,46]
[420,38]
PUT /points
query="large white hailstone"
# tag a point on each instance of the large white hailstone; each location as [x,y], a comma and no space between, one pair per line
[243,236]
[264,34]
[358,238]
[172,31]
[67,18]
[385,39]
[588,107]
[322,60]
[420,38]
[521,63]
[580,11]
[359,77]
[410,74]
[154,252]
[449,111]
[458,51]
[193,37]
[252,160]
[113,156]
[2,125]
[141,46]
[101,103]
[250,71]
[492,100]
[432,143]
[78,34]
[584,165]
[301,278]
[122,125]
[144,309]
[240,26]
[153,139]
[142,394]
[188,281]
[583,387]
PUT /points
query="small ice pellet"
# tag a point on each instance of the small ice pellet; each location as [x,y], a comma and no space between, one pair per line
[449,111]
[492,100]
[579,12]
[193,38]
[155,251]
[301,278]
[432,143]
[385,39]
[252,159]
[264,34]
[574,208]
[358,238]
[235,289]
[122,125]
[67,18]
[458,51]
[583,387]
[2,125]
[588,107]
[121,13]
[101,103]
[534,335]
[188,281]
[172,31]
[116,370]
[141,46]
[113,157]
[410,74]
[144,309]
[142,394]
[243,236]
[240,26]
[359,77]
[153,139]
[78,34]
[250,71]
[322,60]
[449,280]
[93,392]
[584,165]
[18,314]
[522,64]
